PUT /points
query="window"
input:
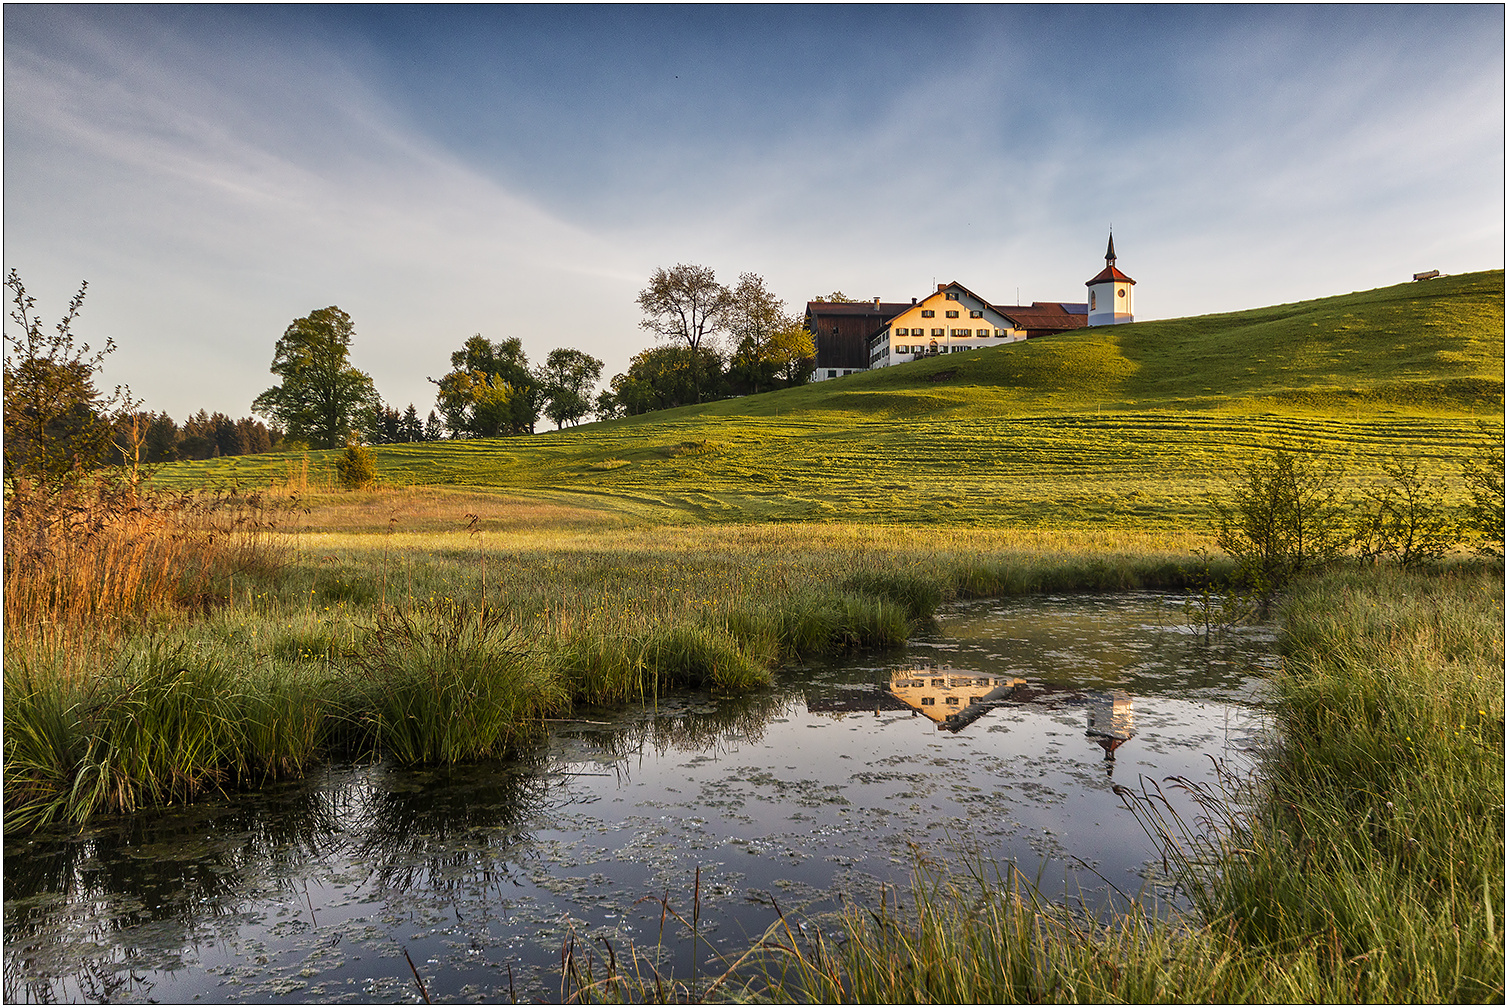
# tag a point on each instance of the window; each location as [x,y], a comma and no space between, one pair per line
[976,314]
[1091,300]
[951,701]
[952,314]
[984,332]
[959,349]
[929,313]
[999,333]
[939,682]
[903,332]
[952,295]
[939,332]
[928,701]
[1121,292]
[832,374]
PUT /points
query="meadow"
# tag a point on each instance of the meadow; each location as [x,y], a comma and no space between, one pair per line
[1129,427]
[237,621]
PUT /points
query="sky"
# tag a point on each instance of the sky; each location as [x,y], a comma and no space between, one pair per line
[215,172]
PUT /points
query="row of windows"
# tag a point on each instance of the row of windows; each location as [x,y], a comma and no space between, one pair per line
[919,348]
[928,313]
[999,333]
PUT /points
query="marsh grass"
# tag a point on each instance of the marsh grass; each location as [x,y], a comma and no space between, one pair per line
[86,560]
[390,641]
[441,684]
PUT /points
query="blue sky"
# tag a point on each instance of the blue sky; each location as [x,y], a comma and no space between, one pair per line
[216,172]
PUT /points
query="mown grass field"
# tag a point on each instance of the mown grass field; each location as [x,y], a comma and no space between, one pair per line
[1128,426]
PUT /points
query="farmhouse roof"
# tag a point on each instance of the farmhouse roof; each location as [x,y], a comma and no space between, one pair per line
[1043,317]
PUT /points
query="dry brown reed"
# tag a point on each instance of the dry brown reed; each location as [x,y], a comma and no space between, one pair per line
[87,558]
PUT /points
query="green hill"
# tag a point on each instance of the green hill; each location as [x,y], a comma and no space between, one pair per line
[1132,425]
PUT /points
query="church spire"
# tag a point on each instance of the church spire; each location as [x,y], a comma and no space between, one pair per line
[1110,251]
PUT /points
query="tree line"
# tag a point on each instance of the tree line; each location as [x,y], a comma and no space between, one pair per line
[716,341]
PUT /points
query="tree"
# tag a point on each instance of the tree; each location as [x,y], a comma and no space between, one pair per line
[661,378]
[836,297]
[568,376]
[434,427]
[55,421]
[686,305]
[490,390]
[411,427]
[354,468]
[321,398]
[771,342]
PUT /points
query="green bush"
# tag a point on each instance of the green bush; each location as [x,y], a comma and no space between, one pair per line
[1285,515]
[354,468]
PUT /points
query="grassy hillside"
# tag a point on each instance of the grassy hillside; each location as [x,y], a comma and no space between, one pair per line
[1131,425]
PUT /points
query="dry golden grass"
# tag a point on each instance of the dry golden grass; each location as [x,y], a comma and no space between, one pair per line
[87,560]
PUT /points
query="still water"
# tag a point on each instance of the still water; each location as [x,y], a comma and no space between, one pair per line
[1001,731]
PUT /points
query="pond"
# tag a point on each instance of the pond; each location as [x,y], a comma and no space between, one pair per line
[997,734]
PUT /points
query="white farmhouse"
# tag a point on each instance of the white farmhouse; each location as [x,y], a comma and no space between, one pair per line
[857,336]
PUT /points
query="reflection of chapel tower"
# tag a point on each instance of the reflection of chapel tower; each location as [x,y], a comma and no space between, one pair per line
[1110,293]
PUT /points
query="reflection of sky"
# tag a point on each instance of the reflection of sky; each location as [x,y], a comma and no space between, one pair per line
[801,797]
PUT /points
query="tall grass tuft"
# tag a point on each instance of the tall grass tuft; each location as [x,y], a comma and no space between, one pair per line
[165,726]
[447,683]
[1382,838]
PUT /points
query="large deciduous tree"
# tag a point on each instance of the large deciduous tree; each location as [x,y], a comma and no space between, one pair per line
[568,376]
[490,390]
[660,378]
[770,342]
[686,305]
[321,398]
[56,422]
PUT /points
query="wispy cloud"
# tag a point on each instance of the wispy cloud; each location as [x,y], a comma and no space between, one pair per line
[215,181]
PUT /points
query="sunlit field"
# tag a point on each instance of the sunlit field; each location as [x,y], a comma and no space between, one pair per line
[1127,427]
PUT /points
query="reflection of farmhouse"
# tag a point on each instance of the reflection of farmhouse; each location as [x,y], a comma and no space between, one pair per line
[951,697]
[955,698]
[857,336]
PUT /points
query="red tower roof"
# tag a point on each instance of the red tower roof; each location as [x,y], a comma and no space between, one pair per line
[1108,273]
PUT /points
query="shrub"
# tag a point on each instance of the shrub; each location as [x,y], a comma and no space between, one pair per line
[1286,515]
[1405,518]
[1484,513]
[354,468]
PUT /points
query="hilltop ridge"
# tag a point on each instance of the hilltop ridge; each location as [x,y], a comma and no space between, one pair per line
[1130,425]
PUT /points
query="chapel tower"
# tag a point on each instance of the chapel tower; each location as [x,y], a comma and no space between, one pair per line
[1110,293]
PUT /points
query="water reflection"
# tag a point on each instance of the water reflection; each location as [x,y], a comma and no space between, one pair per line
[954,698]
[999,727]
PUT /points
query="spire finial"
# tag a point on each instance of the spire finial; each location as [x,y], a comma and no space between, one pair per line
[1110,251]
